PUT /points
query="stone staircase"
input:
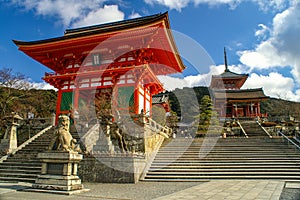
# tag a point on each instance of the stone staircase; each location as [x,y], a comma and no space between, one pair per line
[253,129]
[232,158]
[24,166]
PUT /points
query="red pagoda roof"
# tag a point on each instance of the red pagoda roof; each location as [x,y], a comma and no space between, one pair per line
[148,37]
[228,79]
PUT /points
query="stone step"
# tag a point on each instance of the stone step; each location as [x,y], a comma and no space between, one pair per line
[222,166]
[223,145]
[192,165]
[257,145]
[7,164]
[31,151]
[17,179]
[227,146]
[230,142]
[223,153]
[33,167]
[209,177]
[19,175]
[32,156]
[221,140]
[211,159]
[41,140]
[21,171]
[228,173]
[225,170]
[27,155]
[28,150]
[196,151]
[200,159]
[233,157]
[32,146]
[21,160]
[24,164]
[228,163]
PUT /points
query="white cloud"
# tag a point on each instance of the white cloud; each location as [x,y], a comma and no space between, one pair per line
[263,4]
[170,83]
[134,15]
[265,56]
[274,85]
[178,4]
[70,12]
[43,86]
[108,13]
[262,32]
[272,4]
[282,46]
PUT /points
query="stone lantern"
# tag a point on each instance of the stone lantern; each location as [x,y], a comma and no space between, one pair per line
[9,142]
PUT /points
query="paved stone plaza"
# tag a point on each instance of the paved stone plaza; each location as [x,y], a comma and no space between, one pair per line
[216,189]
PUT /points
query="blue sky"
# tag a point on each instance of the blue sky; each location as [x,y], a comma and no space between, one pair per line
[261,36]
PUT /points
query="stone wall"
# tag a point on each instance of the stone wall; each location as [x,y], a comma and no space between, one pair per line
[290,131]
[102,165]
[118,169]
[152,139]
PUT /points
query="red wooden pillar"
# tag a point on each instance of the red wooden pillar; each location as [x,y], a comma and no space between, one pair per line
[145,99]
[150,96]
[75,100]
[255,108]
[223,109]
[248,110]
[114,98]
[233,110]
[58,103]
[136,99]
[258,108]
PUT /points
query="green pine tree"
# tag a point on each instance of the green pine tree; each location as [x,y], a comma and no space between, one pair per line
[208,116]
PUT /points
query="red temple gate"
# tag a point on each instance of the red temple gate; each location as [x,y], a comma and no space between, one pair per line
[118,60]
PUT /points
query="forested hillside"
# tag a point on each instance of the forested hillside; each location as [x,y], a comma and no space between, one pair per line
[41,103]
[185,102]
[281,108]
[19,95]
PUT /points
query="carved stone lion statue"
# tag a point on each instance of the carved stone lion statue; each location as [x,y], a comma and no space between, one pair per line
[63,138]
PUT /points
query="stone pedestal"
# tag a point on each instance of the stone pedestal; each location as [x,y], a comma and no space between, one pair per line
[59,173]
[104,143]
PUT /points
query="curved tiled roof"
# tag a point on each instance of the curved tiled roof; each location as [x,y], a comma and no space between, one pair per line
[96,29]
[229,74]
[256,93]
[117,25]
